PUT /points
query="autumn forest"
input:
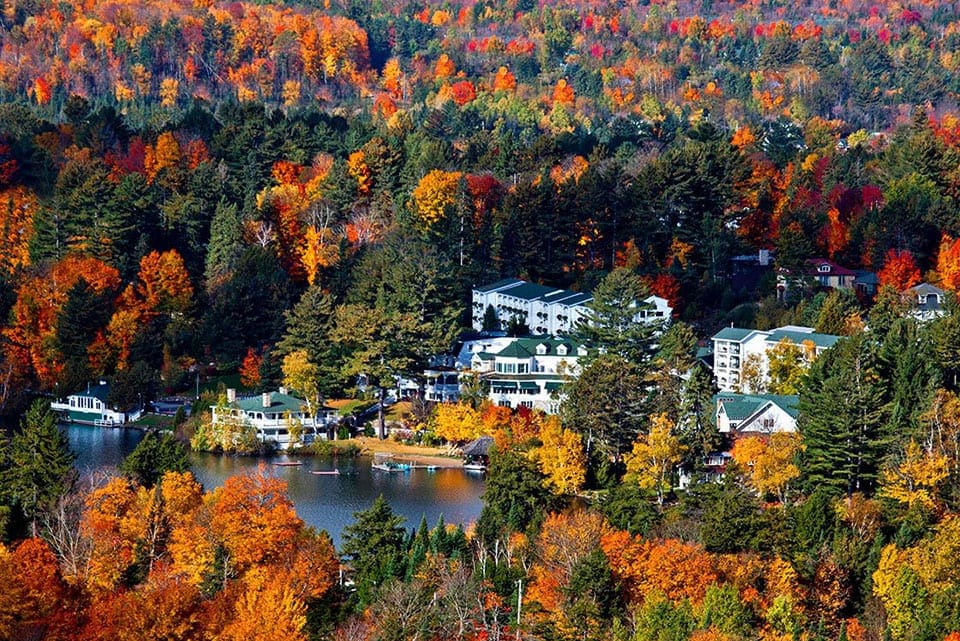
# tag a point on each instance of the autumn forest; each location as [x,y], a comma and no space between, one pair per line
[206,188]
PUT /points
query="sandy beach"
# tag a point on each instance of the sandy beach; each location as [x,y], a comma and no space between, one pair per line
[438,456]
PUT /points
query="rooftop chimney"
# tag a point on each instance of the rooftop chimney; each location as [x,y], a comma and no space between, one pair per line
[231,395]
[283,390]
[266,399]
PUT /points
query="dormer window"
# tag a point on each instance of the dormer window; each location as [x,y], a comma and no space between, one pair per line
[581,351]
[541,349]
[562,350]
[824,269]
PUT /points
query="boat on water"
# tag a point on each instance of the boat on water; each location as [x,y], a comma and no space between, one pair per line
[391,466]
[475,467]
[333,472]
[287,463]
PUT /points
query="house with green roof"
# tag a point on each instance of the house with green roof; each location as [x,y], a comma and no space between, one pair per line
[547,310]
[90,407]
[733,347]
[530,371]
[279,418]
[740,414]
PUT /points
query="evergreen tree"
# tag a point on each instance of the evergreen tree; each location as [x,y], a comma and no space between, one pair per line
[153,457]
[841,418]
[84,313]
[610,321]
[226,243]
[308,327]
[41,465]
[374,542]
[516,496]
[605,404]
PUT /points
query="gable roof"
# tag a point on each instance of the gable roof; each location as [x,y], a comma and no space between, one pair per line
[813,266]
[743,406]
[925,288]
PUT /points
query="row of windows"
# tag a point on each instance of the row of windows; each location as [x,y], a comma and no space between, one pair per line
[85,403]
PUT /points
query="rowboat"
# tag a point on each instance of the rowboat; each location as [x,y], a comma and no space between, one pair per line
[334,472]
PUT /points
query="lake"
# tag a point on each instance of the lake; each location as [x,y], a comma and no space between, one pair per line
[325,502]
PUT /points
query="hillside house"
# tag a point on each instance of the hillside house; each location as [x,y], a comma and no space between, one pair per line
[926,301]
[273,414]
[548,310]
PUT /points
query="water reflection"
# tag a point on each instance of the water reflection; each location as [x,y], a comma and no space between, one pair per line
[325,502]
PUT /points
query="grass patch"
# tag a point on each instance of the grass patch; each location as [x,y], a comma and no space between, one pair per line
[347,406]
[155,422]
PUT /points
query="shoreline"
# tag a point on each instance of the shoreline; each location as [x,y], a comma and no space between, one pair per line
[436,456]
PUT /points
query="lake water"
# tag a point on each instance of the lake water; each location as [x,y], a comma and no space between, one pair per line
[325,502]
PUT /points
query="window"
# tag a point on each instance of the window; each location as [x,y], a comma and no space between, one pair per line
[824,269]
[562,350]
[521,368]
[541,349]
[768,423]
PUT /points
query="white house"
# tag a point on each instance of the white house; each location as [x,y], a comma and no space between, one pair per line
[90,407]
[529,372]
[926,301]
[733,346]
[751,414]
[547,310]
[272,414]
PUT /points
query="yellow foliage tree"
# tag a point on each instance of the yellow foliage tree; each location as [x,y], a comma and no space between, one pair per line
[914,480]
[654,456]
[561,457]
[457,422]
[434,194]
[768,462]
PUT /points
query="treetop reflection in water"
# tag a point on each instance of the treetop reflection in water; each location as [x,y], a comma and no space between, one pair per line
[324,501]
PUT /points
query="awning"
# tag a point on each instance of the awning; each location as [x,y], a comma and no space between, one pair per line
[508,385]
[529,385]
[553,386]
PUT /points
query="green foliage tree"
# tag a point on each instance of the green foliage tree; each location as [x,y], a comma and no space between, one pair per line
[516,496]
[605,404]
[610,321]
[842,404]
[153,457]
[41,465]
[374,543]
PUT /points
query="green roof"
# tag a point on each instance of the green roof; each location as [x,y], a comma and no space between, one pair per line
[527,347]
[100,391]
[529,385]
[824,341]
[732,334]
[528,291]
[553,386]
[484,356]
[497,285]
[279,403]
[514,350]
[741,406]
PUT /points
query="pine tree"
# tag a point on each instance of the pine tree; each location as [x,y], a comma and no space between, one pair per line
[841,419]
[610,321]
[375,544]
[153,457]
[41,465]
[226,243]
[308,327]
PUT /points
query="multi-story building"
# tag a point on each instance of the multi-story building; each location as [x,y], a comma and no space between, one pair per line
[90,407]
[734,347]
[547,310]
[529,372]
[926,301]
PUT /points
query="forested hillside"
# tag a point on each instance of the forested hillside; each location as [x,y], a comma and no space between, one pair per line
[200,188]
